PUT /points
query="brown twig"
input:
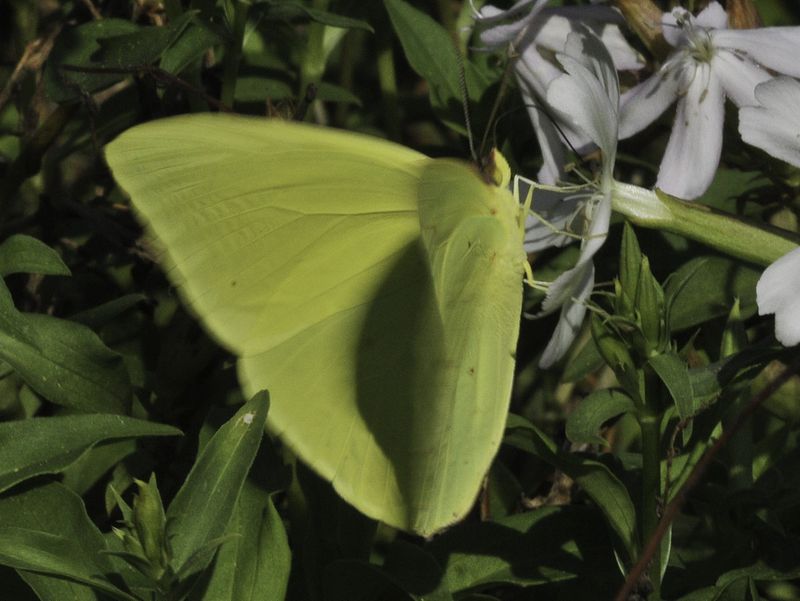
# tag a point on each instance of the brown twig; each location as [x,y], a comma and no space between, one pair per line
[674,506]
[93,10]
[34,55]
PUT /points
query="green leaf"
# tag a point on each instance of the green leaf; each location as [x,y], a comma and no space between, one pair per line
[551,544]
[706,287]
[23,254]
[200,512]
[37,551]
[65,362]
[630,264]
[431,52]
[255,564]
[333,93]
[604,488]
[189,45]
[142,47]
[290,10]
[47,445]
[584,423]
[674,372]
[99,316]
[76,46]
[53,511]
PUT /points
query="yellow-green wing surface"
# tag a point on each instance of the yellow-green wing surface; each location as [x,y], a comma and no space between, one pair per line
[300,250]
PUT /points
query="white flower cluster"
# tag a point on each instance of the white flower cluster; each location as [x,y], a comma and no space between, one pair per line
[580,101]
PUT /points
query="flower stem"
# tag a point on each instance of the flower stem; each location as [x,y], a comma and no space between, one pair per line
[651,487]
[757,243]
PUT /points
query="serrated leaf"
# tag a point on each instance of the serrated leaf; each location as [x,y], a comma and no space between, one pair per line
[47,445]
[24,254]
[200,512]
[584,423]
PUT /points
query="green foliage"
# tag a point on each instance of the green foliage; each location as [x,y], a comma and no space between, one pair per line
[131,467]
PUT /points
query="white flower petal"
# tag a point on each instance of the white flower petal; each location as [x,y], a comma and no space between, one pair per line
[673,33]
[712,16]
[599,220]
[559,209]
[499,27]
[644,103]
[775,125]
[551,146]
[599,14]
[553,31]
[738,76]
[776,48]
[572,313]
[533,74]
[778,292]
[625,56]
[694,147]
[558,22]
[588,94]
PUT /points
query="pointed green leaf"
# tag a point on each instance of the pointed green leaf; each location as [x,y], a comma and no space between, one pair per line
[24,254]
[674,373]
[63,361]
[76,46]
[42,552]
[200,512]
[54,511]
[630,261]
[255,564]
[47,445]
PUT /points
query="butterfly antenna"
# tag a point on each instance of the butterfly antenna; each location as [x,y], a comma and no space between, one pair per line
[504,86]
[462,84]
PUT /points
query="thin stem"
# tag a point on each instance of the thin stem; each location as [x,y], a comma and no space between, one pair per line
[387,80]
[233,53]
[651,486]
[728,233]
[313,65]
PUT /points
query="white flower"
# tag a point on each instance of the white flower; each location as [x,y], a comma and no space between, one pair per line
[710,63]
[536,33]
[774,126]
[778,292]
[588,97]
